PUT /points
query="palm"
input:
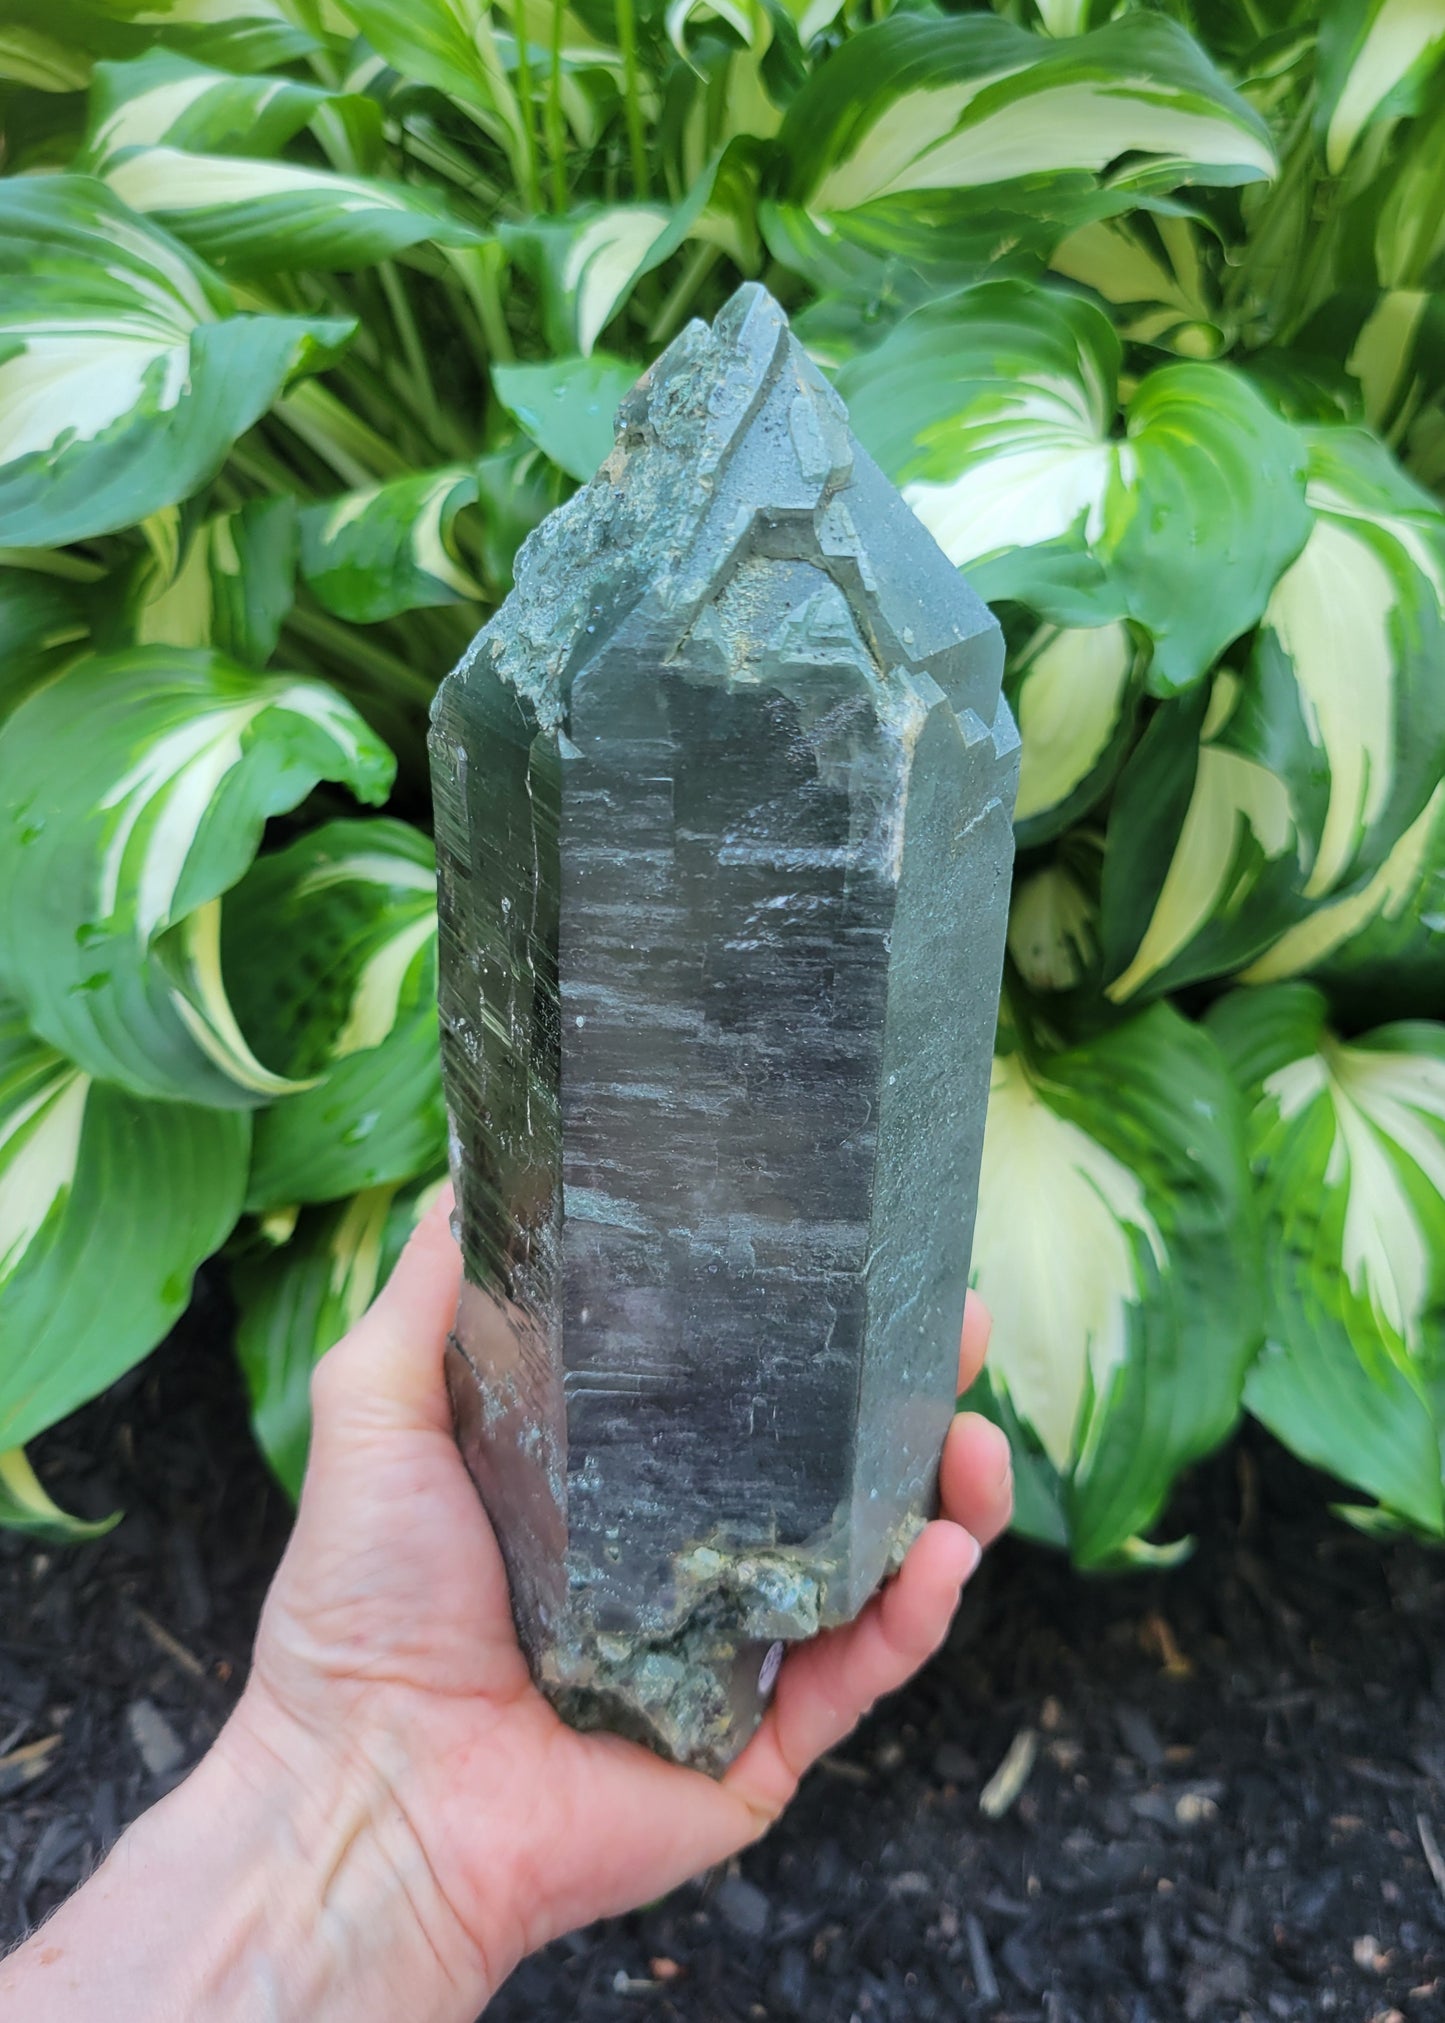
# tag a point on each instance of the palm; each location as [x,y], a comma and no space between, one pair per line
[389,1626]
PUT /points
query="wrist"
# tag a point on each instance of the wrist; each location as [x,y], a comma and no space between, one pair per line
[352,1922]
[280,1880]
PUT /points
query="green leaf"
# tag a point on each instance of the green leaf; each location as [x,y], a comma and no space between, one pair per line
[300,1299]
[107,1205]
[134,790]
[986,124]
[993,410]
[567,405]
[258,217]
[1384,943]
[43,622]
[24,1506]
[1053,928]
[434,42]
[1205,509]
[162,98]
[374,553]
[124,376]
[1310,768]
[1375,56]
[1348,1142]
[29,57]
[587,264]
[1073,691]
[1117,1252]
[588,267]
[452,45]
[329,951]
[1151,271]
[233,588]
[239,34]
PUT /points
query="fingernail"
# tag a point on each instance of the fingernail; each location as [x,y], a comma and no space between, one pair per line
[975,1554]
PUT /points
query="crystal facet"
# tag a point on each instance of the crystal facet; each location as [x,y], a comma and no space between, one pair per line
[723,802]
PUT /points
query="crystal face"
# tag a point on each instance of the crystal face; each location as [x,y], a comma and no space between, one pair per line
[723,802]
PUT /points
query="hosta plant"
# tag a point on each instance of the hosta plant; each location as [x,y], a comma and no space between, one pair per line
[310,309]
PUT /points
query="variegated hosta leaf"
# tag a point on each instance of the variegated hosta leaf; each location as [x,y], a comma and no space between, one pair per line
[243,34]
[29,56]
[1073,691]
[236,34]
[297,1300]
[107,1205]
[1386,942]
[1375,58]
[44,621]
[1348,1141]
[329,952]
[256,217]
[1115,1247]
[587,267]
[233,585]
[24,1506]
[1053,927]
[1150,269]
[587,264]
[994,411]
[165,99]
[451,45]
[1001,137]
[389,548]
[1312,766]
[134,790]
[124,376]
[567,405]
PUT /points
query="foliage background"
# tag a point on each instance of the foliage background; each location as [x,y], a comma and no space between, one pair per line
[310,309]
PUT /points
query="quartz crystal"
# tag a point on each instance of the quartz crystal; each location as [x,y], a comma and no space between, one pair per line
[723,799]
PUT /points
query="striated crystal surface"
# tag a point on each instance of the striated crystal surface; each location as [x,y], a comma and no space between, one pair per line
[723,799]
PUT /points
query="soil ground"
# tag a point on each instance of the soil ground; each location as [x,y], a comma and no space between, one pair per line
[1234,1803]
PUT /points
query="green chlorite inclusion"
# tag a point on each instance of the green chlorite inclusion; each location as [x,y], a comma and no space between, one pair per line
[723,806]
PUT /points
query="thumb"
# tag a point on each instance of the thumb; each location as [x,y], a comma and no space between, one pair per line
[386,1374]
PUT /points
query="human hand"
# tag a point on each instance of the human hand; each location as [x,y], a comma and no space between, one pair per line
[394,1814]
[387,1659]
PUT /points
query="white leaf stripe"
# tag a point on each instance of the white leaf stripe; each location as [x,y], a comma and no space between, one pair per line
[1072,686]
[172,181]
[1387,1107]
[39,1148]
[205,1009]
[77,383]
[375,1000]
[1311,942]
[602,262]
[1401,34]
[1055,1263]
[1050,128]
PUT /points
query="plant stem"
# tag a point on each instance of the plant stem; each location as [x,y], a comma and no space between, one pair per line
[357,454]
[350,645]
[531,184]
[556,124]
[476,268]
[632,97]
[443,430]
[698,265]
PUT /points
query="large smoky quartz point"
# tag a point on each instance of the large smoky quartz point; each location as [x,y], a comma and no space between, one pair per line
[723,799]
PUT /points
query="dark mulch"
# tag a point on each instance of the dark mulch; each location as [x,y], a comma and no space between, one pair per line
[1238,1774]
